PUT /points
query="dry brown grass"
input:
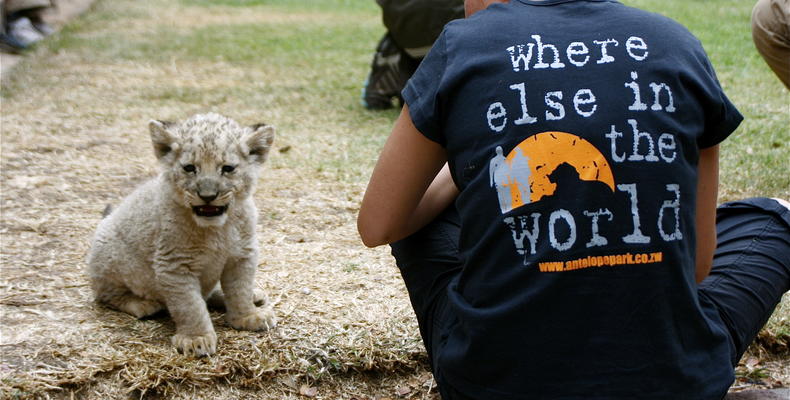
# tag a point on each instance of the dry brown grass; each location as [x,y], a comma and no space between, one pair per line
[342,307]
[74,140]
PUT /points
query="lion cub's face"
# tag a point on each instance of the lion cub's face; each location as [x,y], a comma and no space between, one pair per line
[211,161]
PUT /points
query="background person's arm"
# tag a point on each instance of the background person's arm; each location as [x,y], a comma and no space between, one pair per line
[410,186]
[707,194]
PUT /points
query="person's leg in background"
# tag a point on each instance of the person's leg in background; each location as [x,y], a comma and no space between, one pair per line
[771,34]
[23,24]
[412,27]
[390,69]
[751,267]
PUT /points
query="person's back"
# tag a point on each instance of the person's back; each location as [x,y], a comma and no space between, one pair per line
[582,285]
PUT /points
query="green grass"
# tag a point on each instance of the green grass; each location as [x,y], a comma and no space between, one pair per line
[304,47]
[324,60]
[316,65]
[313,66]
[331,6]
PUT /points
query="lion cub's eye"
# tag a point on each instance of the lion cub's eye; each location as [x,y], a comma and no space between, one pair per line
[189,168]
[226,169]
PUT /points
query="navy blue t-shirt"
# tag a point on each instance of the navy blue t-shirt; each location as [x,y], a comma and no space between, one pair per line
[573,131]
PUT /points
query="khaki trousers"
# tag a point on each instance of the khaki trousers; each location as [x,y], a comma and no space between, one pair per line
[771,34]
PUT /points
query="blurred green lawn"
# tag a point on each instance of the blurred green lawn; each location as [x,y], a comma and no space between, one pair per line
[325,58]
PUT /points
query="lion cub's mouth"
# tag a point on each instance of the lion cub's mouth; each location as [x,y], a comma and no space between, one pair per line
[209,210]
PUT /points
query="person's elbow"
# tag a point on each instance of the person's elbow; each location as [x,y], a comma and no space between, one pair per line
[371,233]
[369,237]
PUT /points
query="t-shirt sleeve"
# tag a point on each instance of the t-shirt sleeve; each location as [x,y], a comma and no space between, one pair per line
[721,117]
[422,92]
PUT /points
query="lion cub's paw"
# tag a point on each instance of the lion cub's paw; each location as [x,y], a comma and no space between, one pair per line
[259,320]
[196,345]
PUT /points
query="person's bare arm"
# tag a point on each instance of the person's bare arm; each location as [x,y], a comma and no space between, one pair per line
[707,194]
[409,186]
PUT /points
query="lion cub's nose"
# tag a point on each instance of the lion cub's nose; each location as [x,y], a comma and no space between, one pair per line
[209,198]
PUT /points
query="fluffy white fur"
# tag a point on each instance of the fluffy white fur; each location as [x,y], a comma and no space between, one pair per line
[177,236]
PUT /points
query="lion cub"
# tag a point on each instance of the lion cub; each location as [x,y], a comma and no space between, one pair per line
[177,236]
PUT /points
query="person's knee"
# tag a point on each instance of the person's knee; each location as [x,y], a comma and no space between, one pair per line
[771,35]
[756,231]
[770,16]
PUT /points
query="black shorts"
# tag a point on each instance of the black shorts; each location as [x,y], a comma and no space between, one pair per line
[750,273]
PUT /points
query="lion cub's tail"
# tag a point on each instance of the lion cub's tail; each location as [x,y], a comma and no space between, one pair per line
[107,211]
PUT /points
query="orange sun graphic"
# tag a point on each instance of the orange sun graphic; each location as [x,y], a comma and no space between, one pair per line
[545,152]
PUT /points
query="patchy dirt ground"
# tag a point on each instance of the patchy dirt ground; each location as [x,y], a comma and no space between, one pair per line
[342,307]
[74,139]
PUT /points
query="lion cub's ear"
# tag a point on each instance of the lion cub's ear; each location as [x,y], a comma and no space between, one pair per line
[163,140]
[257,141]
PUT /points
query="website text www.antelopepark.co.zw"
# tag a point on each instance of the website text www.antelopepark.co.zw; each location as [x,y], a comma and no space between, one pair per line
[601,261]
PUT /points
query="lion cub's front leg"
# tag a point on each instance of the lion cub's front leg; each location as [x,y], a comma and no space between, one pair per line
[194,331]
[238,280]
